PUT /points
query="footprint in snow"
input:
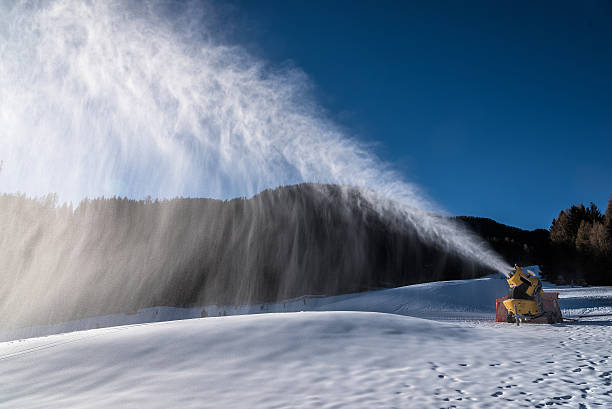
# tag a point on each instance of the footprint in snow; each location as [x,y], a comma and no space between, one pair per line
[564,397]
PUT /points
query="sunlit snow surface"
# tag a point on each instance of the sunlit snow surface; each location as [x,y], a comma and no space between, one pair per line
[327,358]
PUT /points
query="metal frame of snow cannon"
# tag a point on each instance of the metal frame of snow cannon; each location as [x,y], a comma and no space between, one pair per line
[526,302]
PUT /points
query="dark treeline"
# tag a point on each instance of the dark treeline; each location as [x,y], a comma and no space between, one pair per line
[581,246]
[516,246]
[110,255]
[578,247]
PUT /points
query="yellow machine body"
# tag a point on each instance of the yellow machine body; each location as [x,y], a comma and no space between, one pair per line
[518,278]
[523,307]
[515,280]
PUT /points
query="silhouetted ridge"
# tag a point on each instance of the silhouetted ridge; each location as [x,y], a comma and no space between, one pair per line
[516,246]
[577,249]
[281,243]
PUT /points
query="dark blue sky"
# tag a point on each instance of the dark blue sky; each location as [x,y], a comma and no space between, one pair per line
[496,109]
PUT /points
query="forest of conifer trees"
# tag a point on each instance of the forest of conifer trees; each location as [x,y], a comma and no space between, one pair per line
[577,248]
[109,255]
[282,243]
[581,246]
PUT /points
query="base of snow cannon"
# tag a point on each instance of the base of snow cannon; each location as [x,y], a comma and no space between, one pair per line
[550,315]
[522,307]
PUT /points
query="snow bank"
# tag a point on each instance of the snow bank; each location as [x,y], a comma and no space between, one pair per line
[443,301]
[322,359]
[311,360]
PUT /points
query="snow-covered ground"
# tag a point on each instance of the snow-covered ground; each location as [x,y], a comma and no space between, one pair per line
[443,301]
[447,300]
[340,357]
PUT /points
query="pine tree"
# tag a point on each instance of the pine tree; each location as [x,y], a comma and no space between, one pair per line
[606,233]
[583,236]
[565,227]
[599,240]
[608,222]
[593,214]
[559,230]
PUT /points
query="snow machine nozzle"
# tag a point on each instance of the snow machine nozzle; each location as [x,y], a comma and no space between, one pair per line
[526,301]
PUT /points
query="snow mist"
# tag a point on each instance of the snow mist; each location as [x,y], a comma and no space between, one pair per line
[116,98]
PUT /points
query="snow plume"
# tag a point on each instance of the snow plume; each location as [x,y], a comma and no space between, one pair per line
[142,98]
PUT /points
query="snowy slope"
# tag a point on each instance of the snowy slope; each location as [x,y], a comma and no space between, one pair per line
[445,301]
[333,358]
[312,360]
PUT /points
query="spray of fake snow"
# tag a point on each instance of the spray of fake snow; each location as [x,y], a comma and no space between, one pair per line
[134,99]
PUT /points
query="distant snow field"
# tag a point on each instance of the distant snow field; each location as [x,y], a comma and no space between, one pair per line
[342,357]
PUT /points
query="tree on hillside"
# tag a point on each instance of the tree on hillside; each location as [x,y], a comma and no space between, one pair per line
[608,219]
[583,236]
[593,214]
[581,245]
[565,227]
[599,240]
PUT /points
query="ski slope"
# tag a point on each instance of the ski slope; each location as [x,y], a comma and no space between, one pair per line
[341,357]
[443,301]
[447,300]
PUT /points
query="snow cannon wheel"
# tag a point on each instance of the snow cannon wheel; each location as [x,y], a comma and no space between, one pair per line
[510,318]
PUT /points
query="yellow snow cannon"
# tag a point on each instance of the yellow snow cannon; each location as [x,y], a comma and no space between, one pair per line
[526,301]
[525,295]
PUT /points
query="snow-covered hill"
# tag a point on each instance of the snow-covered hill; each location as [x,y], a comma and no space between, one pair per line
[447,300]
[312,360]
[342,357]
[443,301]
